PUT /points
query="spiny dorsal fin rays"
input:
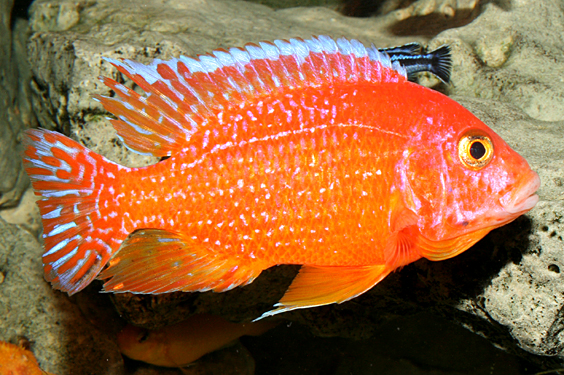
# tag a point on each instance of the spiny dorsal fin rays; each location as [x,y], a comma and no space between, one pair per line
[186,94]
[165,129]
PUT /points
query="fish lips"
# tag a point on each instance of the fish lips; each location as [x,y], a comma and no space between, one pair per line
[523,198]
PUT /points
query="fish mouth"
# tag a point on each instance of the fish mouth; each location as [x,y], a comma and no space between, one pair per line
[521,201]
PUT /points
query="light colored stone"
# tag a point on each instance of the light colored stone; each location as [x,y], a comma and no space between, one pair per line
[445,8]
[513,56]
[527,297]
[26,214]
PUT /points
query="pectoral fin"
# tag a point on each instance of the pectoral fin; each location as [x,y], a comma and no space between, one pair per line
[318,286]
[401,248]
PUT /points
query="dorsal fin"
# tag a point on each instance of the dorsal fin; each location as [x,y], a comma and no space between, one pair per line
[185,94]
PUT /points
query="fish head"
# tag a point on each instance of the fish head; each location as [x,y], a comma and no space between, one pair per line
[141,344]
[463,180]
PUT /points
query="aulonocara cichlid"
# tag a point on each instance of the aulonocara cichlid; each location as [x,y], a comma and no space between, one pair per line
[315,152]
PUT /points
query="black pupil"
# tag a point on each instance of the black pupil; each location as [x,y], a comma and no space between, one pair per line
[477,150]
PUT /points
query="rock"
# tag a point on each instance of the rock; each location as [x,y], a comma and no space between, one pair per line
[26,214]
[507,56]
[415,345]
[63,341]
[15,107]
[524,296]
[512,56]
[507,70]
[444,8]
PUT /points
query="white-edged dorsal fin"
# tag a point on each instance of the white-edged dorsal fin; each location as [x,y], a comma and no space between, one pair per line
[184,95]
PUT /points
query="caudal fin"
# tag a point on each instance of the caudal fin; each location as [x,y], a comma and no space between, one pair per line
[441,63]
[78,188]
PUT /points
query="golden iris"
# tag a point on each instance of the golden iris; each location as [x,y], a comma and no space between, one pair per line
[475,150]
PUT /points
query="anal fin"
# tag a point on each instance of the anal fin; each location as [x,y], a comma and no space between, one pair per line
[154,261]
[318,286]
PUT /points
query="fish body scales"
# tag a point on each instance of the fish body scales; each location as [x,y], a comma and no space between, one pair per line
[310,191]
[263,202]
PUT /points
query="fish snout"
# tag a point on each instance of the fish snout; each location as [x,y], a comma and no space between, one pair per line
[523,198]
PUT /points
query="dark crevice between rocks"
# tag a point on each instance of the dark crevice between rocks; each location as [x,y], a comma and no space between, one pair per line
[20,10]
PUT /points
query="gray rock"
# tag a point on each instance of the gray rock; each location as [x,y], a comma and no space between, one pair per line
[26,214]
[63,341]
[512,55]
[507,70]
[15,107]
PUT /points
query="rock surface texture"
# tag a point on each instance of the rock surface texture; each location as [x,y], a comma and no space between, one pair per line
[508,69]
[15,107]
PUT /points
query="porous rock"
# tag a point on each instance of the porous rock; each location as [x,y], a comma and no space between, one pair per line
[507,70]
[511,54]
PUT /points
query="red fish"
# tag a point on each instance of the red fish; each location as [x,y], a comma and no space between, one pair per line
[313,152]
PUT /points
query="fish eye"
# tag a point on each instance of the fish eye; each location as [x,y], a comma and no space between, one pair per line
[475,150]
